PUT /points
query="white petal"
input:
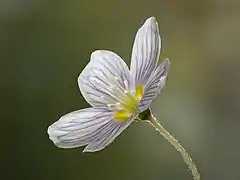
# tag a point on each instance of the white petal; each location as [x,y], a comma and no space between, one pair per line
[146,50]
[155,84]
[106,135]
[164,66]
[78,128]
[104,78]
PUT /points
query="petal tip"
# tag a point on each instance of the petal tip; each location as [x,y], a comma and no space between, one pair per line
[90,149]
[164,67]
[166,62]
[153,18]
[100,52]
[50,129]
[87,150]
[52,134]
[94,53]
[151,22]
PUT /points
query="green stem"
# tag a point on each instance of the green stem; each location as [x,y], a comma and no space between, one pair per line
[187,159]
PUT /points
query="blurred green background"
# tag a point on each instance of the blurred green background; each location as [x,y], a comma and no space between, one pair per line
[45,45]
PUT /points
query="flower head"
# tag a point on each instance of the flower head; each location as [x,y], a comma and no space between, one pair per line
[117,95]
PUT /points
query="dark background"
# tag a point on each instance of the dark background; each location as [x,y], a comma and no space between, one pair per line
[44,46]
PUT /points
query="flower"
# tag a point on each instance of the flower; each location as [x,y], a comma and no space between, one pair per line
[117,95]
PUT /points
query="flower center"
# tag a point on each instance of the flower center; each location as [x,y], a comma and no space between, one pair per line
[130,104]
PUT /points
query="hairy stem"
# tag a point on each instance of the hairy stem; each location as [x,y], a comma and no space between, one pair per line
[187,159]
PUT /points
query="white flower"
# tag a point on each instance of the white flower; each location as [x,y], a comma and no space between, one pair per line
[117,95]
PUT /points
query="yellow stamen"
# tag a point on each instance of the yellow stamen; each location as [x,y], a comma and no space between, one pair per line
[139,92]
[129,104]
[122,115]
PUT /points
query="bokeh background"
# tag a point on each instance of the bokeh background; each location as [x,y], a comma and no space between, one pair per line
[45,45]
